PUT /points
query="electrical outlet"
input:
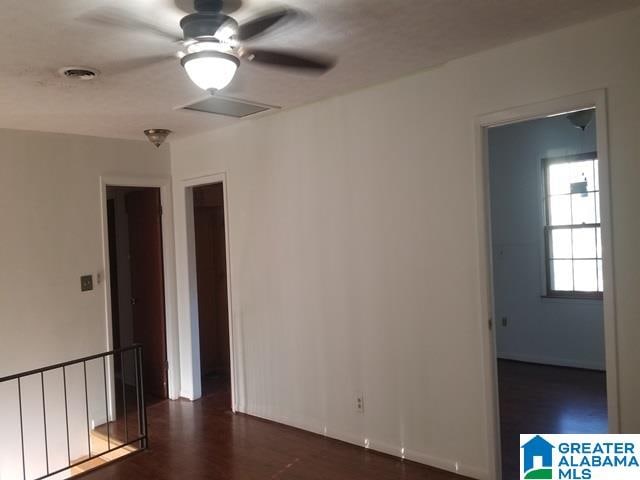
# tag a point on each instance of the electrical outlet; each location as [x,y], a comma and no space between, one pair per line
[360,403]
[504,321]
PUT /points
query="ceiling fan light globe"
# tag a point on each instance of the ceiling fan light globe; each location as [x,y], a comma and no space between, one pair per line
[210,70]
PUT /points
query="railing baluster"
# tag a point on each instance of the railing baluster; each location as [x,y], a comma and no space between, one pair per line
[140,380]
[86,400]
[66,413]
[24,467]
[44,418]
[124,396]
[138,399]
[141,440]
[106,401]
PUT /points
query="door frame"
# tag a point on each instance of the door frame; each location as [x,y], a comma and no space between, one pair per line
[187,288]
[593,98]
[168,253]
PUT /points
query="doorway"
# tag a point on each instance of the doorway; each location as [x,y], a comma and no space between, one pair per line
[136,267]
[212,291]
[548,279]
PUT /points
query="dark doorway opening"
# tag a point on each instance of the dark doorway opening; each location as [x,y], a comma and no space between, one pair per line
[136,269]
[213,308]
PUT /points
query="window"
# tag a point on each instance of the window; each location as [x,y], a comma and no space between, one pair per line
[572,229]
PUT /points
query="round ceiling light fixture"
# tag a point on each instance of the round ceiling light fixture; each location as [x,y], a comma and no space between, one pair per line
[210,70]
[157,136]
[210,60]
[209,64]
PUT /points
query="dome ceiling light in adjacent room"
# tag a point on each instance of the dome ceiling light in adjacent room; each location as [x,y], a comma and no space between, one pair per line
[582,118]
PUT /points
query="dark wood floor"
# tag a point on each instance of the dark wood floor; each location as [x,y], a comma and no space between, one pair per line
[204,440]
[546,399]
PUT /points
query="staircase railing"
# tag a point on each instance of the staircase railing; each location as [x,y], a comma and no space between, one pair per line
[55,419]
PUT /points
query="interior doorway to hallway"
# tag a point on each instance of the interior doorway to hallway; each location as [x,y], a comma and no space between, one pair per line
[136,267]
[213,308]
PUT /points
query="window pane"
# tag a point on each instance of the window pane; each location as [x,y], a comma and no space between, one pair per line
[584,243]
[560,243]
[560,210]
[600,277]
[561,275]
[583,208]
[586,275]
[573,199]
[560,177]
[583,172]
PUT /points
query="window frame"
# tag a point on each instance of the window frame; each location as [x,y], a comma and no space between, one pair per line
[547,228]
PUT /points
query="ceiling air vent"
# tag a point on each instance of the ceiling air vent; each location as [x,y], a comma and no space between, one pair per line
[229,107]
[78,73]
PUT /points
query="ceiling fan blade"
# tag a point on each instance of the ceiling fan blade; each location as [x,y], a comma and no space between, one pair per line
[258,26]
[306,62]
[132,64]
[111,17]
[228,6]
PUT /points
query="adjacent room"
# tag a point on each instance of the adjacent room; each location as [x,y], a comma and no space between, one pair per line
[305,239]
[547,278]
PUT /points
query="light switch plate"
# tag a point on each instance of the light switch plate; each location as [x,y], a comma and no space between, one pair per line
[86,283]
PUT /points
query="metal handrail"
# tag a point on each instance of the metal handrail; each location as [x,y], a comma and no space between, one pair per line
[69,363]
[141,438]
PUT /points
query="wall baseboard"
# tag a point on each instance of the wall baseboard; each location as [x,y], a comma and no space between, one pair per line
[99,421]
[186,395]
[556,362]
[377,446]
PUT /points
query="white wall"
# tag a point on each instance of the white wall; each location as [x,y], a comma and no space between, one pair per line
[354,236]
[50,215]
[566,332]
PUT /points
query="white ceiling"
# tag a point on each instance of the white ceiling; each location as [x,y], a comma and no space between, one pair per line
[375,41]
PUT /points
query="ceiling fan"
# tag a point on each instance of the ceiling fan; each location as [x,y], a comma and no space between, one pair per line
[213,42]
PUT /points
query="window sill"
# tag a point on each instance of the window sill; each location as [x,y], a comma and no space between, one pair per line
[573,298]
